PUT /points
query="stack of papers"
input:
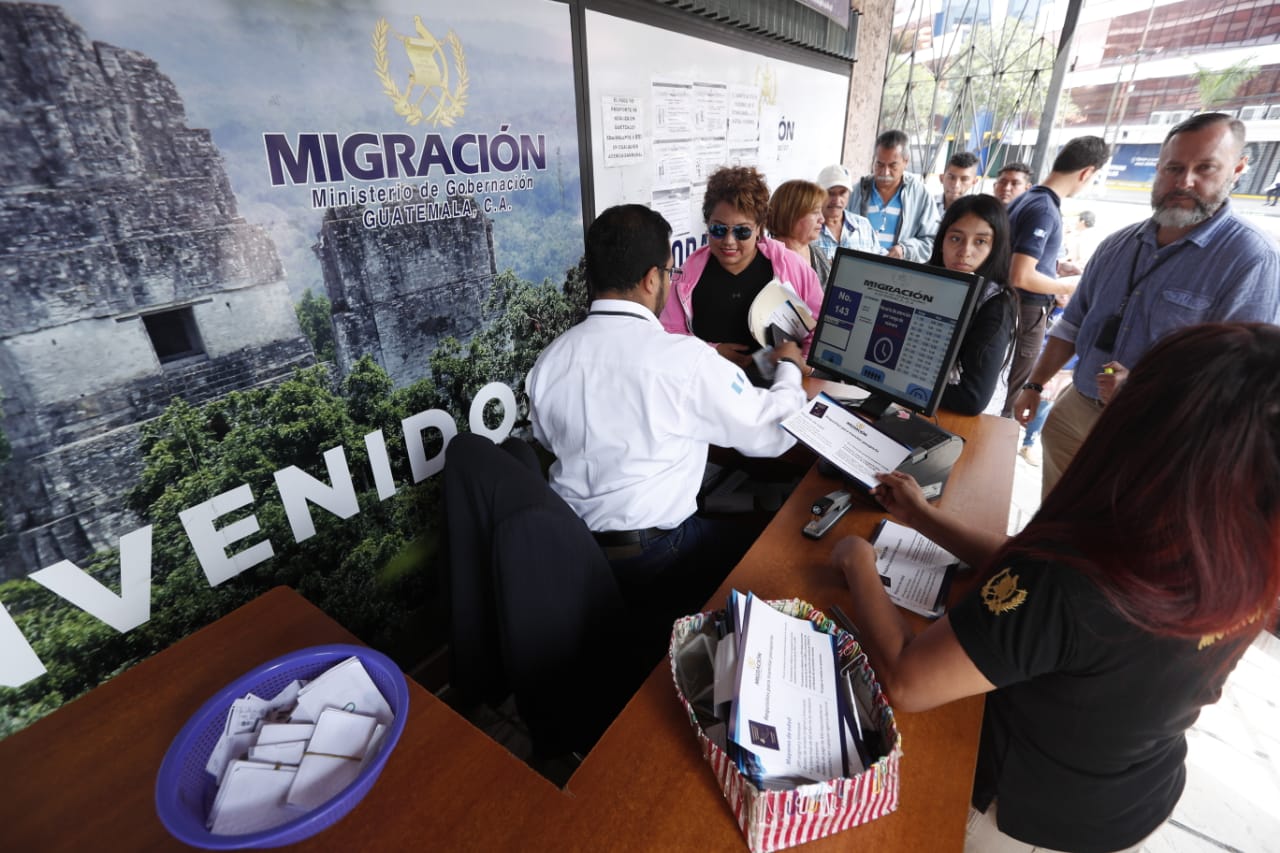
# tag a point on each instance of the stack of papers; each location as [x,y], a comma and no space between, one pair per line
[279,758]
[915,571]
[786,709]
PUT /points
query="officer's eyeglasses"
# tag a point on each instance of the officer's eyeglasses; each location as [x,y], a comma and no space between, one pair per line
[676,273]
[740,232]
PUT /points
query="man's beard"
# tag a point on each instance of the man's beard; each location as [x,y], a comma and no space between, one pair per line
[1178,217]
[885,179]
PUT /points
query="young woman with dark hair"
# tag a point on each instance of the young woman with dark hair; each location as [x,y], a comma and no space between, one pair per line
[1101,629]
[974,237]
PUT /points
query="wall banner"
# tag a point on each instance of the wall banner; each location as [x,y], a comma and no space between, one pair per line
[261,261]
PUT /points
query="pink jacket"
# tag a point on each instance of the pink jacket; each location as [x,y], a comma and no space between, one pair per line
[677,316]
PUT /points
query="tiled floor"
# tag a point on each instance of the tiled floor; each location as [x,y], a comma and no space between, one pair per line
[1232,798]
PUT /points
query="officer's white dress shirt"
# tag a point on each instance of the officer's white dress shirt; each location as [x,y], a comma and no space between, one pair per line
[629,410]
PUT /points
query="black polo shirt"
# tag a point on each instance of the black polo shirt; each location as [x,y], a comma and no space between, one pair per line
[1083,740]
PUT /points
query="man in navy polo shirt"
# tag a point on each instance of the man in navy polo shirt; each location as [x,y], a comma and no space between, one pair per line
[1035,227]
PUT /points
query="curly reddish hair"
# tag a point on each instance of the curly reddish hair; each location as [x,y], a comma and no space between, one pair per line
[743,187]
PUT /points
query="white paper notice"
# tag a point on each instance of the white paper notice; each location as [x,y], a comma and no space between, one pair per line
[848,442]
[623,127]
[674,206]
[710,109]
[672,164]
[787,714]
[672,109]
[744,157]
[744,113]
[708,155]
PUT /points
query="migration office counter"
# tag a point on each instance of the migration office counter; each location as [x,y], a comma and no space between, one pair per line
[84,776]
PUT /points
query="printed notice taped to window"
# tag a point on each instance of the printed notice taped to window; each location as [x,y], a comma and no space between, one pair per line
[845,440]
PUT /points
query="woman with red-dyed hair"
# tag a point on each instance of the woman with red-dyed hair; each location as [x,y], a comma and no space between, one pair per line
[1102,628]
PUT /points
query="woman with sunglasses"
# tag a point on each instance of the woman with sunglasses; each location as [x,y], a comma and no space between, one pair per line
[713,296]
[795,218]
[974,237]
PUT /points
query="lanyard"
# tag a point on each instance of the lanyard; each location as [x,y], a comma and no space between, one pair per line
[614,314]
[1135,279]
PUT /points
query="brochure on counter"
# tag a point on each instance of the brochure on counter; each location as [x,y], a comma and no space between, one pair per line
[793,718]
[915,571]
[845,440]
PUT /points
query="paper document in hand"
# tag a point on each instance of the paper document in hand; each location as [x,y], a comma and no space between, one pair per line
[844,439]
[786,719]
[915,571]
[778,305]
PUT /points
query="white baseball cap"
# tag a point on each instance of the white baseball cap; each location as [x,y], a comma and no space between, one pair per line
[835,175]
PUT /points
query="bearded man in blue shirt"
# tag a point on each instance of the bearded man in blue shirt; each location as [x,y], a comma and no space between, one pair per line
[1194,261]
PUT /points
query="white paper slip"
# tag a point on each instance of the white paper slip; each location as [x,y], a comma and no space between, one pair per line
[285,752]
[251,799]
[284,732]
[226,750]
[333,758]
[844,439]
[346,685]
[916,572]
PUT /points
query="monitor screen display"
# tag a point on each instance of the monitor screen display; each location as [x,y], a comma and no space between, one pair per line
[893,327]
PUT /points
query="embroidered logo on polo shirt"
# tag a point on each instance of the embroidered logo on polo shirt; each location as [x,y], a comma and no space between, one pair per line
[1039,232]
[1001,594]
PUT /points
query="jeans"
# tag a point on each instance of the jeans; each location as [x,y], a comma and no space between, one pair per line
[1033,426]
[677,570]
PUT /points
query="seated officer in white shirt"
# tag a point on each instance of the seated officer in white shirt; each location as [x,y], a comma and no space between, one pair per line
[629,411]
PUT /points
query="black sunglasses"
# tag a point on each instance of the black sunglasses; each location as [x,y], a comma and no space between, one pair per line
[740,232]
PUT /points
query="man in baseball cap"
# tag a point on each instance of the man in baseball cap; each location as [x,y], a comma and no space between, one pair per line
[842,227]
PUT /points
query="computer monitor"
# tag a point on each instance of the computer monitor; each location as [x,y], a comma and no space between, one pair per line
[893,328]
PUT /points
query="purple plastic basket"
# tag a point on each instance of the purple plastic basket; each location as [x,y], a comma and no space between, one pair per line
[185,790]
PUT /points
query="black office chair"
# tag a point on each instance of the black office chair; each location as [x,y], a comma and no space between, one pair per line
[536,611]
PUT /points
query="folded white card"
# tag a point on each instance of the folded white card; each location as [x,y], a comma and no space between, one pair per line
[333,758]
[347,686]
[252,798]
[284,732]
[286,752]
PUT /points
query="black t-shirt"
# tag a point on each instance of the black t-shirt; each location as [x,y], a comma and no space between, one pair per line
[1083,739]
[721,301]
[981,359]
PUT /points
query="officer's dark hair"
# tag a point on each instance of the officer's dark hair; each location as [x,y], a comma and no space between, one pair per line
[1081,153]
[963,160]
[623,244]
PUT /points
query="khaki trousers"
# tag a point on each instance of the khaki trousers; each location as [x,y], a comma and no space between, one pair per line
[1070,420]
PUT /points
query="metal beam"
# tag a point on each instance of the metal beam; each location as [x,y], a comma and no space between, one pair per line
[1049,116]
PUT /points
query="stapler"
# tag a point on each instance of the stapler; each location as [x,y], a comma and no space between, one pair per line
[827,510]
